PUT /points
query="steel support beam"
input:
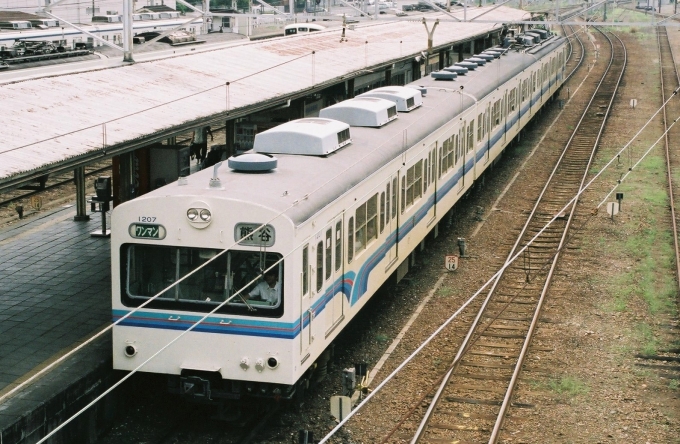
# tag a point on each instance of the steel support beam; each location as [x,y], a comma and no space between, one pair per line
[81,205]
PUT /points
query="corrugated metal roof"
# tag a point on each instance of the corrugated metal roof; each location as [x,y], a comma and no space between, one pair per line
[54,120]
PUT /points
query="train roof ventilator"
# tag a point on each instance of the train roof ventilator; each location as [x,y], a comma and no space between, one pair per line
[252,162]
[309,136]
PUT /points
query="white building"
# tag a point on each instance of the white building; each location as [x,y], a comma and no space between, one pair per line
[79,11]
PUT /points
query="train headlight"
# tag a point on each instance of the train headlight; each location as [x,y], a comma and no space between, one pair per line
[272,362]
[199,215]
[130,351]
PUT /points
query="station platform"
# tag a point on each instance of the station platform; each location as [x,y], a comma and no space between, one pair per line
[55,286]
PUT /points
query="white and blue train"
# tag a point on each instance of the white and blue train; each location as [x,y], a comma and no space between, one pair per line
[334,205]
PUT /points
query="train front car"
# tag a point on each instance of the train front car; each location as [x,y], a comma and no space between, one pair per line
[197,225]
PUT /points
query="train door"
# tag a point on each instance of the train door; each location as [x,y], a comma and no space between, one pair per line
[334,272]
[392,219]
[430,181]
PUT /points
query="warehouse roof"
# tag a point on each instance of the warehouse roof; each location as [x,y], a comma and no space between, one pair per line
[66,119]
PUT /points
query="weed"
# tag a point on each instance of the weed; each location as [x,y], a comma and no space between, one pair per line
[445,291]
[382,338]
[645,336]
[568,385]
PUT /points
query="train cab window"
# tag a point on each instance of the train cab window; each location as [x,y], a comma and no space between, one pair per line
[216,276]
[329,252]
[350,240]
[305,269]
[319,266]
[338,245]
[291,31]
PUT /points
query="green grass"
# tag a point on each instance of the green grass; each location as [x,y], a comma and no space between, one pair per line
[382,338]
[645,335]
[569,386]
[444,291]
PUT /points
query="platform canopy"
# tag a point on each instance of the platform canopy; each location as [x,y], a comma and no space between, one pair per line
[65,120]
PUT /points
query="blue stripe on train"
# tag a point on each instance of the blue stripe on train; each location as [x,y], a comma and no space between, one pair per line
[352,286]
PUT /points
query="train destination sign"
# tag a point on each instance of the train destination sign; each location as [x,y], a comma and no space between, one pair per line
[247,235]
[147,231]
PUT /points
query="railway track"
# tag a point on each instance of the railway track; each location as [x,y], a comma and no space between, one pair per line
[474,397]
[51,183]
[667,362]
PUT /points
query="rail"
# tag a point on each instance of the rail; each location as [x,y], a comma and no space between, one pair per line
[511,310]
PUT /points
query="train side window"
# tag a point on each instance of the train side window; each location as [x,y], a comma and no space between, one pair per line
[350,240]
[329,252]
[479,127]
[512,99]
[394,198]
[425,175]
[471,136]
[382,212]
[367,223]
[403,193]
[441,159]
[418,180]
[450,153]
[433,164]
[456,150]
[372,219]
[319,266]
[496,113]
[387,203]
[305,269]
[338,245]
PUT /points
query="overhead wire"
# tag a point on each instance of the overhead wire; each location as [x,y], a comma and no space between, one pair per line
[508,263]
[194,325]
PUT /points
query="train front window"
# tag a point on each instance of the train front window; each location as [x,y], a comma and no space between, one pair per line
[151,269]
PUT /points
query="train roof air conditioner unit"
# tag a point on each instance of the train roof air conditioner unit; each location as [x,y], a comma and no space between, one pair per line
[406,99]
[362,111]
[310,136]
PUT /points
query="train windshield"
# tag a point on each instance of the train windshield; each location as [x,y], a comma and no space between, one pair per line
[251,280]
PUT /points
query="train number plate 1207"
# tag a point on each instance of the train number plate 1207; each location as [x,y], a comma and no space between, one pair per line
[147,231]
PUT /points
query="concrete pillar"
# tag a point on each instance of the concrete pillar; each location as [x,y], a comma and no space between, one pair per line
[127,31]
[81,204]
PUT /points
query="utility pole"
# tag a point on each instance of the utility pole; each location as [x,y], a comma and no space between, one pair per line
[127,31]
[430,33]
